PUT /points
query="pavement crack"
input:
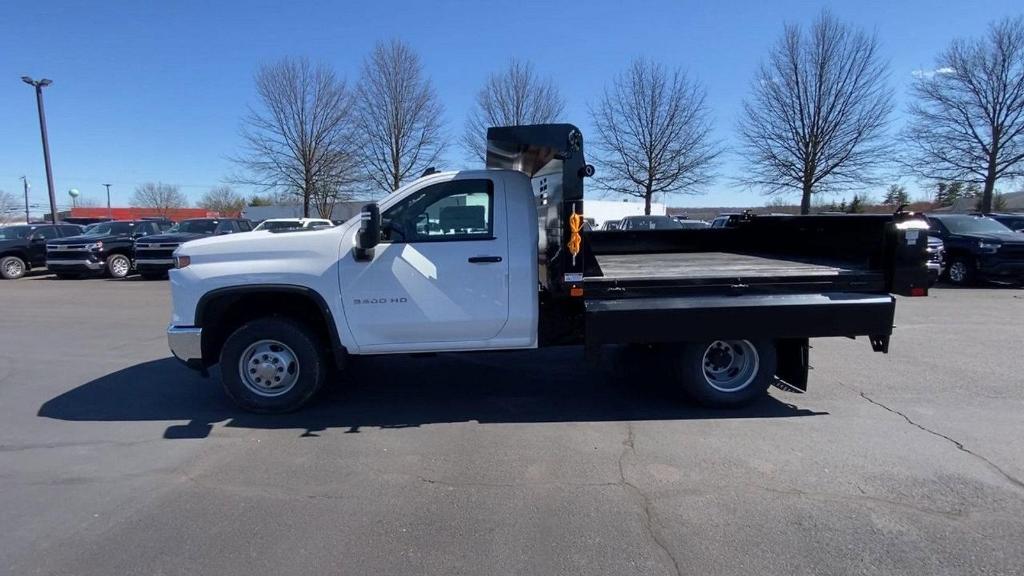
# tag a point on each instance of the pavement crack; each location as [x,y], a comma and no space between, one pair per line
[629,447]
[958,444]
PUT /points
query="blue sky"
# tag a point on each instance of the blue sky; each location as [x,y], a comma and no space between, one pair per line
[155,91]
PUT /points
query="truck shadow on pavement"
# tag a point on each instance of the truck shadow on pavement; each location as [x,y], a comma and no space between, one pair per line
[549,385]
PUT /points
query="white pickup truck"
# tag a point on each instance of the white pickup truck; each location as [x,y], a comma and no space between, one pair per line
[497,259]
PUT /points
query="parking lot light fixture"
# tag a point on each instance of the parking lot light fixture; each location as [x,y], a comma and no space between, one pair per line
[39,85]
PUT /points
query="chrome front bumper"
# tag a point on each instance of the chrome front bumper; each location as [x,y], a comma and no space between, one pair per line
[186,343]
[87,263]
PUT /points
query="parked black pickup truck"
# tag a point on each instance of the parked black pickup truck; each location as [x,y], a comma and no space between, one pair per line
[153,254]
[978,248]
[24,247]
[105,248]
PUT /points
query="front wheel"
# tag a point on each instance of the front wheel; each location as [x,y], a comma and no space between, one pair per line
[118,265]
[726,373]
[12,267]
[961,271]
[273,365]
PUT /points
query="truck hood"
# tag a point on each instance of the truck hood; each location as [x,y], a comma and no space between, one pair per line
[260,245]
[1008,237]
[83,240]
[177,237]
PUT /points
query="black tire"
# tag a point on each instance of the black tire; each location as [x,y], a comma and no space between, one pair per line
[12,267]
[965,275]
[118,266]
[67,276]
[301,343]
[153,275]
[702,387]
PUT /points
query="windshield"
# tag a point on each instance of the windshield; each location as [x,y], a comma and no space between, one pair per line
[110,229]
[652,223]
[279,225]
[15,232]
[196,226]
[973,225]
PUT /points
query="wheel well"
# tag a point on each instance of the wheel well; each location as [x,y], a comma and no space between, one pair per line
[221,314]
[14,253]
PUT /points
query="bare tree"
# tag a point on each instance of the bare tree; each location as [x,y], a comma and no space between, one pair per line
[223,200]
[10,210]
[967,122]
[400,116]
[300,141]
[159,196]
[818,114]
[513,97]
[653,133]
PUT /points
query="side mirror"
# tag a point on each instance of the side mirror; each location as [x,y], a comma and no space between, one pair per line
[368,235]
[37,239]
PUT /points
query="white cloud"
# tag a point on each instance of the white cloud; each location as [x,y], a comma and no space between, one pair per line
[931,73]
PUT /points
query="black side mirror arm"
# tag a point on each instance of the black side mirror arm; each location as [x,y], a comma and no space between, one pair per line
[368,235]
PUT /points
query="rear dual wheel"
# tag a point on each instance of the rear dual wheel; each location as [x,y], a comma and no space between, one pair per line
[725,373]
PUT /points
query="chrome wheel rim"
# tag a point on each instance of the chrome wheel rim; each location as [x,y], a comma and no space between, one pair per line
[119,267]
[958,271]
[13,268]
[269,368]
[730,365]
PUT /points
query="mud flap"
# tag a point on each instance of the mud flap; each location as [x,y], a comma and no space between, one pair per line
[793,363]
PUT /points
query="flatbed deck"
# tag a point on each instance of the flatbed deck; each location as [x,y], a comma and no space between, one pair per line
[710,265]
[703,270]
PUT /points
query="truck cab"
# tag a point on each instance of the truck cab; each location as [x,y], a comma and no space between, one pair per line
[499,259]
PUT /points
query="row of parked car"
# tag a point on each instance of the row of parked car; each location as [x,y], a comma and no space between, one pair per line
[963,248]
[117,248]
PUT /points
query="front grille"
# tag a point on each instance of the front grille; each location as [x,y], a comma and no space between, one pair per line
[153,253]
[68,255]
[1013,252]
[64,248]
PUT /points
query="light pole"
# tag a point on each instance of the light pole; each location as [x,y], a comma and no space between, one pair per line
[39,85]
[24,181]
[110,213]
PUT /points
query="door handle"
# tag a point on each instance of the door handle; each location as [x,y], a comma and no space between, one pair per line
[484,259]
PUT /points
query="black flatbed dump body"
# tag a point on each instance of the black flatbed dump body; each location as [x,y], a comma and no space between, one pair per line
[785,278]
[779,278]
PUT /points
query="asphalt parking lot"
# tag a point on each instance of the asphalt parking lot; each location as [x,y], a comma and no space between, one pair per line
[116,460]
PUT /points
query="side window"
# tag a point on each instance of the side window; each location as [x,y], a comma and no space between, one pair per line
[244,225]
[455,210]
[224,227]
[70,230]
[48,232]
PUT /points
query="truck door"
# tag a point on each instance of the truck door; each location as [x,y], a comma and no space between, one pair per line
[440,273]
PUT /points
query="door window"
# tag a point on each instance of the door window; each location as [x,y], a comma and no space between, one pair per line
[244,225]
[47,232]
[449,211]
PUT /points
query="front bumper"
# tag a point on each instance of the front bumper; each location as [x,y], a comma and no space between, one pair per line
[151,264]
[76,265]
[186,343]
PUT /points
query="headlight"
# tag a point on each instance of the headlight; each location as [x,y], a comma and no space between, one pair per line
[990,247]
[182,261]
[94,246]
